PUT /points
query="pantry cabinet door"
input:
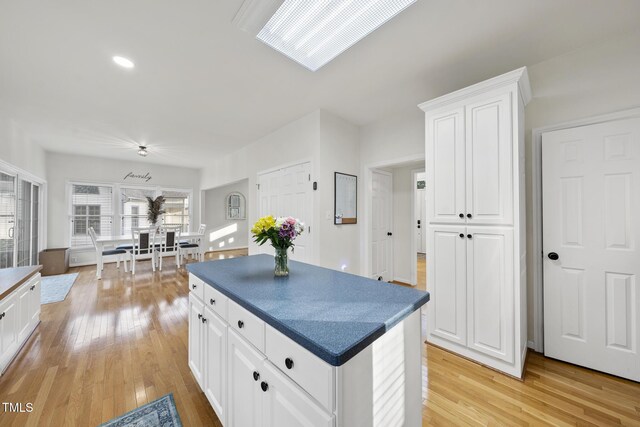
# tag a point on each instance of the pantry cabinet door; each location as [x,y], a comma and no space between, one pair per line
[490,282]
[445,167]
[489,171]
[446,279]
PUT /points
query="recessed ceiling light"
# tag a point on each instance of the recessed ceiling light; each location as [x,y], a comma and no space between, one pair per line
[312,33]
[123,62]
[142,151]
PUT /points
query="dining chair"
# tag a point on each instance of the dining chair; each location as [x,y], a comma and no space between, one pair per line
[143,240]
[190,248]
[120,253]
[168,240]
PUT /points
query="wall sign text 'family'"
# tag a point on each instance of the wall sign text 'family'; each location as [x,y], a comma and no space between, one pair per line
[146,177]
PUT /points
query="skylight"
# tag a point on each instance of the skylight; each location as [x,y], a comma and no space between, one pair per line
[313,32]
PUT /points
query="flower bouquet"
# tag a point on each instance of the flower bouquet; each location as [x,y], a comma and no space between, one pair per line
[281,232]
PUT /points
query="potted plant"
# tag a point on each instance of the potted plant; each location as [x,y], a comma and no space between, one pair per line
[155,208]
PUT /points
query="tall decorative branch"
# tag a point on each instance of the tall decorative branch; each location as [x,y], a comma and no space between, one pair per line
[155,209]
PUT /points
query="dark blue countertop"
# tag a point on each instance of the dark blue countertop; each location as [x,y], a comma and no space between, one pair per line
[334,315]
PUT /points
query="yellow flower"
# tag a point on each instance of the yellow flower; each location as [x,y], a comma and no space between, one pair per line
[263,224]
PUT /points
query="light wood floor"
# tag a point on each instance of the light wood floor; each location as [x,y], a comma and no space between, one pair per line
[115,344]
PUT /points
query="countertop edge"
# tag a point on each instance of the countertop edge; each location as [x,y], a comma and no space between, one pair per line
[332,359]
[19,278]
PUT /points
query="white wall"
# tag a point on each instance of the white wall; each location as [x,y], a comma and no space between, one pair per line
[331,144]
[339,151]
[594,80]
[20,151]
[62,168]
[224,233]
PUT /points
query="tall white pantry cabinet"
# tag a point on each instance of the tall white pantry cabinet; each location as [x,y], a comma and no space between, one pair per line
[476,259]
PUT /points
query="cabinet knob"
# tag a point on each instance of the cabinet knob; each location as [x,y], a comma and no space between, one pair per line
[462,235]
[194,286]
[264,386]
[212,301]
[469,236]
[469,216]
[240,324]
[288,362]
[461,215]
[204,320]
[256,375]
[2,315]
[199,316]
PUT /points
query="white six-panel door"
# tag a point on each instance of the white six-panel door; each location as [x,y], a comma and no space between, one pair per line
[288,192]
[381,225]
[591,217]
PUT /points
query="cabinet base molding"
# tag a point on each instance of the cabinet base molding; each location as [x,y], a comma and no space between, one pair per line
[479,359]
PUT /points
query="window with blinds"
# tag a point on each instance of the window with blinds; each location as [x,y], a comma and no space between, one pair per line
[91,206]
[176,208]
[133,207]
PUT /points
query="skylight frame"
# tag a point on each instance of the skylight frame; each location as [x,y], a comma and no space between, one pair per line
[314,32]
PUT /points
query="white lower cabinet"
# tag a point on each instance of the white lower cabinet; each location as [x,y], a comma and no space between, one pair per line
[286,404]
[215,362]
[19,316]
[288,386]
[245,377]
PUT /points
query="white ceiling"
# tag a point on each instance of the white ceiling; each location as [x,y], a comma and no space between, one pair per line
[202,87]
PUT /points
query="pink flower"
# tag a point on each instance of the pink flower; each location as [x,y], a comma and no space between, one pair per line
[291,221]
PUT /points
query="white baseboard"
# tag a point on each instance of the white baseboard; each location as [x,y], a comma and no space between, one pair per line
[531,345]
[233,248]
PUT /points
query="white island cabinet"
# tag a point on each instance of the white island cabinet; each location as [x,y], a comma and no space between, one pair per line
[19,310]
[254,375]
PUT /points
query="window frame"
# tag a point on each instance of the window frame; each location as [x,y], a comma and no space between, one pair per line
[71,212]
[117,216]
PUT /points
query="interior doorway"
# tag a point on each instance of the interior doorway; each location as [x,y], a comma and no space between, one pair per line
[395,236]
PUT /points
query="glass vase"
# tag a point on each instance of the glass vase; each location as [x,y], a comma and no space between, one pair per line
[282,263]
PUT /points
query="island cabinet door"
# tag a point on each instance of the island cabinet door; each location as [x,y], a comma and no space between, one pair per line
[286,404]
[196,339]
[34,301]
[9,317]
[490,282]
[215,362]
[244,383]
[24,295]
[447,279]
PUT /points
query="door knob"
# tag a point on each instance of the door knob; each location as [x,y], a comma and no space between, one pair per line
[554,256]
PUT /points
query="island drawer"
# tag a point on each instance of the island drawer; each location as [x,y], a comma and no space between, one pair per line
[311,373]
[196,286]
[215,300]
[247,325]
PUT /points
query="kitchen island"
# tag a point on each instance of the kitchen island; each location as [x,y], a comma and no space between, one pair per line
[317,348]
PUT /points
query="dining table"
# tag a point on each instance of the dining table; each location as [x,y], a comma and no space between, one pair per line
[103,242]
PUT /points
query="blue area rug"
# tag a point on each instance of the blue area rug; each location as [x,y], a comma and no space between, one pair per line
[159,413]
[56,288]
